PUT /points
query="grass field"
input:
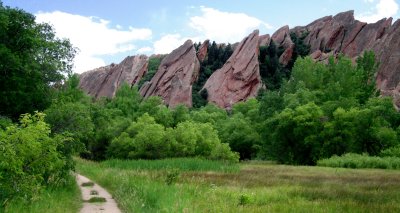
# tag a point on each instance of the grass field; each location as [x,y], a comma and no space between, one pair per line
[254,188]
[53,200]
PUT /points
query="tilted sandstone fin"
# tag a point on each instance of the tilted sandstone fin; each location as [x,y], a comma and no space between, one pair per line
[239,78]
[203,49]
[175,76]
[105,81]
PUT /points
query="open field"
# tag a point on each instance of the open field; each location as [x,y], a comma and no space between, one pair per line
[255,188]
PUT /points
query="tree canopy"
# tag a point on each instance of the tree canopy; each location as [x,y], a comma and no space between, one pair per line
[32,62]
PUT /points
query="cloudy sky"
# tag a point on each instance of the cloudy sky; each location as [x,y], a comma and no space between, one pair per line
[107,31]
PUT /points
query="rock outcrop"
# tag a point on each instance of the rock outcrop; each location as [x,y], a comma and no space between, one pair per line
[264,40]
[282,39]
[341,33]
[388,52]
[175,76]
[239,78]
[203,49]
[105,81]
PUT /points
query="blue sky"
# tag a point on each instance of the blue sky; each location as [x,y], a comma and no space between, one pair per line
[107,31]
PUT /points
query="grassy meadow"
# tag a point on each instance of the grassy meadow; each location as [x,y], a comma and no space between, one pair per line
[193,185]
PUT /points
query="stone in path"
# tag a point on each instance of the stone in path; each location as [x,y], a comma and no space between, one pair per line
[88,192]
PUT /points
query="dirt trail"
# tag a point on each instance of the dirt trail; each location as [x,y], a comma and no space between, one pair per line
[92,191]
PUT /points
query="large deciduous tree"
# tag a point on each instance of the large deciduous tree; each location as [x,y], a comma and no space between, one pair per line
[32,61]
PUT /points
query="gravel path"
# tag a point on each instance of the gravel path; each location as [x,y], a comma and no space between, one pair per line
[95,191]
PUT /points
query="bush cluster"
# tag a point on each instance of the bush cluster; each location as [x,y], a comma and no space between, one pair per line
[351,160]
[31,158]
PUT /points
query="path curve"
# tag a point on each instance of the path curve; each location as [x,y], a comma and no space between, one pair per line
[109,206]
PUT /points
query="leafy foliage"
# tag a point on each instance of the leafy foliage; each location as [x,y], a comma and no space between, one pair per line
[326,110]
[31,159]
[146,139]
[32,62]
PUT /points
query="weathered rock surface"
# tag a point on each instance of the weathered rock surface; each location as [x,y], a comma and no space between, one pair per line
[203,49]
[175,76]
[239,78]
[264,40]
[318,55]
[282,39]
[105,81]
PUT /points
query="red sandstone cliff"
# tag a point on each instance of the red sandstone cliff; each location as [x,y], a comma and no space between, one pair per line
[105,81]
[175,76]
[239,78]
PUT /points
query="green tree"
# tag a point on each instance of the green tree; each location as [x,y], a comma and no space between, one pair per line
[208,114]
[292,135]
[144,139]
[201,140]
[180,114]
[127,100]
[241,135]
[72,117]
[32,61]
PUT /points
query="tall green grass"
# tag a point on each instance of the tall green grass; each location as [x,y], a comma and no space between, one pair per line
[254,188]
[182,164]
[351,160]
[52,200]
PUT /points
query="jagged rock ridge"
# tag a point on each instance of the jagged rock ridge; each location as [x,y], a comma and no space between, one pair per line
[105,81]
[175,76]
[239,78]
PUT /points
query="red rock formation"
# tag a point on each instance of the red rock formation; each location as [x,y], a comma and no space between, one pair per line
[367,37]
[239,78]
[264,40]
[343,34]
[175,76]
[202,52]
[105,81]
[320,56]
[282,39]
[388,52]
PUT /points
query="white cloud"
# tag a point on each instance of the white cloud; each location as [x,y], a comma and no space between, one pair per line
[225,26]
[383,9]
[168,43]
[93,36]
[145,50]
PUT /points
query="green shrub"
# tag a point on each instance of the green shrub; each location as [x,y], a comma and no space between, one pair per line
[171,176]
[146,139]
[391,152]
[30,159]
[4,122]
[351,160]
[244,199]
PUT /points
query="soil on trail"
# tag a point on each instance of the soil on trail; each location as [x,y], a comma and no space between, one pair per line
[96,199]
